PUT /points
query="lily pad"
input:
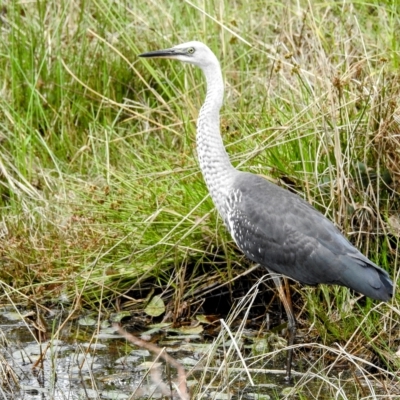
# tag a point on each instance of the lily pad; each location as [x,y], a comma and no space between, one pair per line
[87,321]
[261,345]
[140,353]
[200,348]
[108,333]
[206,319]
[185,337]
[94,346]
[189,361]
[13,316]
[105,335]
[160,326]
[147,365]
[105,324]
[220,396]
[114,395]
[156,307]
[257,396]
[118,317]
[127,359]
[288,391]
[187,330]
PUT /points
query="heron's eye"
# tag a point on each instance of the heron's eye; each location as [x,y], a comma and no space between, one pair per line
[190,50]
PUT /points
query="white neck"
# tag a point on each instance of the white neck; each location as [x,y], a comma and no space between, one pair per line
[214,161]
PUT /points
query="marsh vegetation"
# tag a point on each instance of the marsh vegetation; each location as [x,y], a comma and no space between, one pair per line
[102,202]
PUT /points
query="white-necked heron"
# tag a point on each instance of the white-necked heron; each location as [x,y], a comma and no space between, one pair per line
[272,226]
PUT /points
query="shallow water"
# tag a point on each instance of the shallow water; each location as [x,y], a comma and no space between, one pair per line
[88,361]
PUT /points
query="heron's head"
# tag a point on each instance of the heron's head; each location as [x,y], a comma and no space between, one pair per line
[196,53]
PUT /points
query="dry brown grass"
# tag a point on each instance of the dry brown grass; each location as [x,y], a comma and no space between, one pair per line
[101,197]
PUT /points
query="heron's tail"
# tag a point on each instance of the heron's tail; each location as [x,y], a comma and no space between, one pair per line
[370,280]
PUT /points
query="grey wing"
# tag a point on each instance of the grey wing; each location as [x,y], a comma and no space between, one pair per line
[279,230]
[265,234]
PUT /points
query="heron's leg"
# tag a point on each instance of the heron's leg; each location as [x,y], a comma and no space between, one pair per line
[287,304]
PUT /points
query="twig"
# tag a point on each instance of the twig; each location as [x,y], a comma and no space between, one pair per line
[181,386]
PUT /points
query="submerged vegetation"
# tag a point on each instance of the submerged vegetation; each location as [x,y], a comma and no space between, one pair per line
[102,202]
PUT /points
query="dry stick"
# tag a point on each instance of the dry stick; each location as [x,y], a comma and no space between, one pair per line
[181,384]
[235,345]
[153,371]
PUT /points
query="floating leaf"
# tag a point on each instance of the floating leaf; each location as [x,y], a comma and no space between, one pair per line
[140,353]
[105,324]
[87,321]
[115,378]
[201,348]
[147,365]
[156,307]
[261,345]
[204,319]
[114,395]
[220,396]
[161,325]
[288,391]
[106,335]
[94,346]
[258,396]
[127,359]
[155,328]
[185,337]
[171,345]
[187,330]
[189,361]
[13,316]
[118,317]
[268,385]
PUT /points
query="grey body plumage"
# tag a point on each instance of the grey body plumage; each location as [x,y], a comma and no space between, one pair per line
[272,226]
[298,241]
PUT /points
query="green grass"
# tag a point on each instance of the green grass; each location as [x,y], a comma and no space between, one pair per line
[100,191]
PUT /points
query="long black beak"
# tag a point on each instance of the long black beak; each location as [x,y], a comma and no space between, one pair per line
[167,53]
